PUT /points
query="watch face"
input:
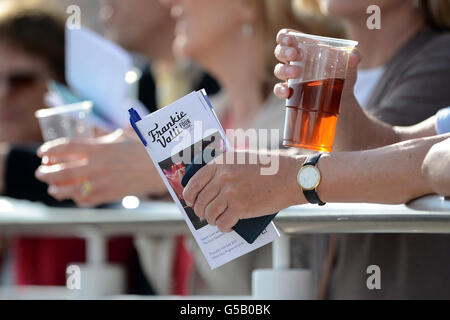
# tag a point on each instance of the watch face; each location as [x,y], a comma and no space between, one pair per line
[309,177]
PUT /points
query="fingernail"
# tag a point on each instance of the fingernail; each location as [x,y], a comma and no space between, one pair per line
[290,70]
[188,204]
[285,40]
[43,148]
[45,160]
[283,90]
[38,173]
[359,55]
[52,190]
[290,53]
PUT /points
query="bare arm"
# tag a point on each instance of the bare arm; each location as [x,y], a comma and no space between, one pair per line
[225,193]
[357,130]
[436,168]
[391,174]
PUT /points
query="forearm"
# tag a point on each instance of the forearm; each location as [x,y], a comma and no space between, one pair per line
[357,130]
[436,168]
[423,129]
[389,175]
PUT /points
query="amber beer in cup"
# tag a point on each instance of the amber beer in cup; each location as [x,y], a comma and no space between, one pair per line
[314,101]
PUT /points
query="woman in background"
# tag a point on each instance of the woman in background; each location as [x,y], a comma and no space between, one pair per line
[32,52]
[402,80]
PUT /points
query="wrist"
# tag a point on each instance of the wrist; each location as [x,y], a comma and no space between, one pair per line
[325,167]
[296,193]
[320,191]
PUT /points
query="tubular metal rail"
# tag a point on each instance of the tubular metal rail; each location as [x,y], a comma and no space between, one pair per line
[430,214]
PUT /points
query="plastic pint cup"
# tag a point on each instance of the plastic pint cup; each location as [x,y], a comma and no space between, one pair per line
[314,101]
[69,121]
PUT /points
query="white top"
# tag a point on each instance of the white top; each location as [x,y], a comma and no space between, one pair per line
[366,83]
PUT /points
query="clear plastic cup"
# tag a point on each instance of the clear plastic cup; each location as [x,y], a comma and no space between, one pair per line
[69,121]
[314,101]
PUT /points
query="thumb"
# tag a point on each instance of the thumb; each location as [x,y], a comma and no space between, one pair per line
[352,72]
[63,147]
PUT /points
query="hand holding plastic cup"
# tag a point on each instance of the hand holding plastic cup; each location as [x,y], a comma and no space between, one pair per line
[69,121]
[314,101]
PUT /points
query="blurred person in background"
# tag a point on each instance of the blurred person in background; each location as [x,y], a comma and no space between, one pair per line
[32,41]
[233,40]
[89,10]
[402,80]
[146,28]
[25,67]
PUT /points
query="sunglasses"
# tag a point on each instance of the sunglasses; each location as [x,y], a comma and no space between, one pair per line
[21,79]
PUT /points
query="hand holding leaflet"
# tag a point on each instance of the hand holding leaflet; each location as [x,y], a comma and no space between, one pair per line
[175,137]
[248,229]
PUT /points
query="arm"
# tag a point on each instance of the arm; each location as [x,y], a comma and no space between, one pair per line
[436,168]
[390,175]
[115,165]
[225,193]
[356,129]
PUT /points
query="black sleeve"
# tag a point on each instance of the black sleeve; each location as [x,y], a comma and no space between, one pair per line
[20,182]
[147,90]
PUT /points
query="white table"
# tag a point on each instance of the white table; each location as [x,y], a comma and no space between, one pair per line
[426,215]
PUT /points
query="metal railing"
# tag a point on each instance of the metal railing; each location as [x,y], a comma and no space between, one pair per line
[430,214]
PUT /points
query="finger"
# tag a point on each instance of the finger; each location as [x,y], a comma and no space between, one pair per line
[106,191]
[285,39]
[352,71]
[98,193]
[208,194]
[226,221]
[197,183]
[286,53]
[282,91]
[354,59]
[216,208]
[66,192]
[101,192]
[61,173]
[64,146]
[286,72]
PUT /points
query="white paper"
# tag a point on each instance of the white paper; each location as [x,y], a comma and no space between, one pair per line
[193,121]
[96,69]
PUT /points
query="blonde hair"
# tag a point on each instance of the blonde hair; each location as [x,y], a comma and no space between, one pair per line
[274,15]
[436,12]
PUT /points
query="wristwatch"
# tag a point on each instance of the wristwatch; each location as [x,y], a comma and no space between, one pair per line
[309,178]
